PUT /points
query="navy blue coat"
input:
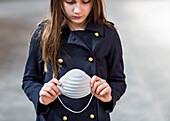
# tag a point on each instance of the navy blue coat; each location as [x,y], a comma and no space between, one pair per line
[107,63]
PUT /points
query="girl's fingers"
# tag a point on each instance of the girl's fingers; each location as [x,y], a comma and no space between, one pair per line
[107,90]
[93,80]
[95,86]
[52,88]
[50,91]
[54,80]
[55,88]
[44,93]
[101,87]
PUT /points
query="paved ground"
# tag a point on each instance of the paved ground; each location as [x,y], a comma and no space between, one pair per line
[144,28]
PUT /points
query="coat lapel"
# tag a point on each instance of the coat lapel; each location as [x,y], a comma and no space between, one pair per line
[73,39]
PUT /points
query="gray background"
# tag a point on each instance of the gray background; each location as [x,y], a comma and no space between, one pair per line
[144,27]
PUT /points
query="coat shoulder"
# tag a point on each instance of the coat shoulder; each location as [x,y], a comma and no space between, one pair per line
[36,34]
[110,29]
[109,25]
[111,34]
[38,30]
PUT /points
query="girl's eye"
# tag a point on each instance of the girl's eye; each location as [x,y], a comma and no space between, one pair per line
[85,1]
[70,1]
[73,1]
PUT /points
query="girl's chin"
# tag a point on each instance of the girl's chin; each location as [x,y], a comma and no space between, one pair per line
[77,22]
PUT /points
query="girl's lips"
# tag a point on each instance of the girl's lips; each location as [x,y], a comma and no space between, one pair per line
[77,17]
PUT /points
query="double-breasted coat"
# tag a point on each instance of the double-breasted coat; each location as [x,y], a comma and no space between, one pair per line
[103,59]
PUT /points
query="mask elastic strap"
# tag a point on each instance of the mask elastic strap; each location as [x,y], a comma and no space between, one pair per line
[73,110]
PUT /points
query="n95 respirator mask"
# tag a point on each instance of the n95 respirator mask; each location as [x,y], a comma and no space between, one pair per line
[75,84]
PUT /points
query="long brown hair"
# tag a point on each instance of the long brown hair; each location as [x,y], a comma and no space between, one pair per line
[52,32]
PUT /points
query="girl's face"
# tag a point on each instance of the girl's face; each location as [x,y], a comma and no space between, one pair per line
[77,10]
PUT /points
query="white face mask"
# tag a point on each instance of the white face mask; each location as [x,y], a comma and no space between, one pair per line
[75,84]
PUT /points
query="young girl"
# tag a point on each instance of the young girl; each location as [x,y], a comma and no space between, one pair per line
[75,42]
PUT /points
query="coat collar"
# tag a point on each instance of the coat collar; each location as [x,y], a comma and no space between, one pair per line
[72,39]
[95,28]
[90,27]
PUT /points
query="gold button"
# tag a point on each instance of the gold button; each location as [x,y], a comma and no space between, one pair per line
[92,116]
[60,60]
[96,34]
[61,32]
[64,118]
[90,59]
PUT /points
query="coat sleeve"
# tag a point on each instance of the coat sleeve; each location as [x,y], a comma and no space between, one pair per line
[33,78]
[116,76]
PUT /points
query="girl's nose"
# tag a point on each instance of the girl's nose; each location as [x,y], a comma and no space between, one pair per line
[77,8]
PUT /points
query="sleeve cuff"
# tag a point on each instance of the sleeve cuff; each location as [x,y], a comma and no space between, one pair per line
[42,109]
[109,106]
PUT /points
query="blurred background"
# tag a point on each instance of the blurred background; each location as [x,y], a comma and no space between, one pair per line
[144,28]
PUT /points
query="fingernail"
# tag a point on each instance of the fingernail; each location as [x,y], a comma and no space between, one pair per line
[101,94]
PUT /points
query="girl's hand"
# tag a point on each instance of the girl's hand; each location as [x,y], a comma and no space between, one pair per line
[100,89]
[49,92]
